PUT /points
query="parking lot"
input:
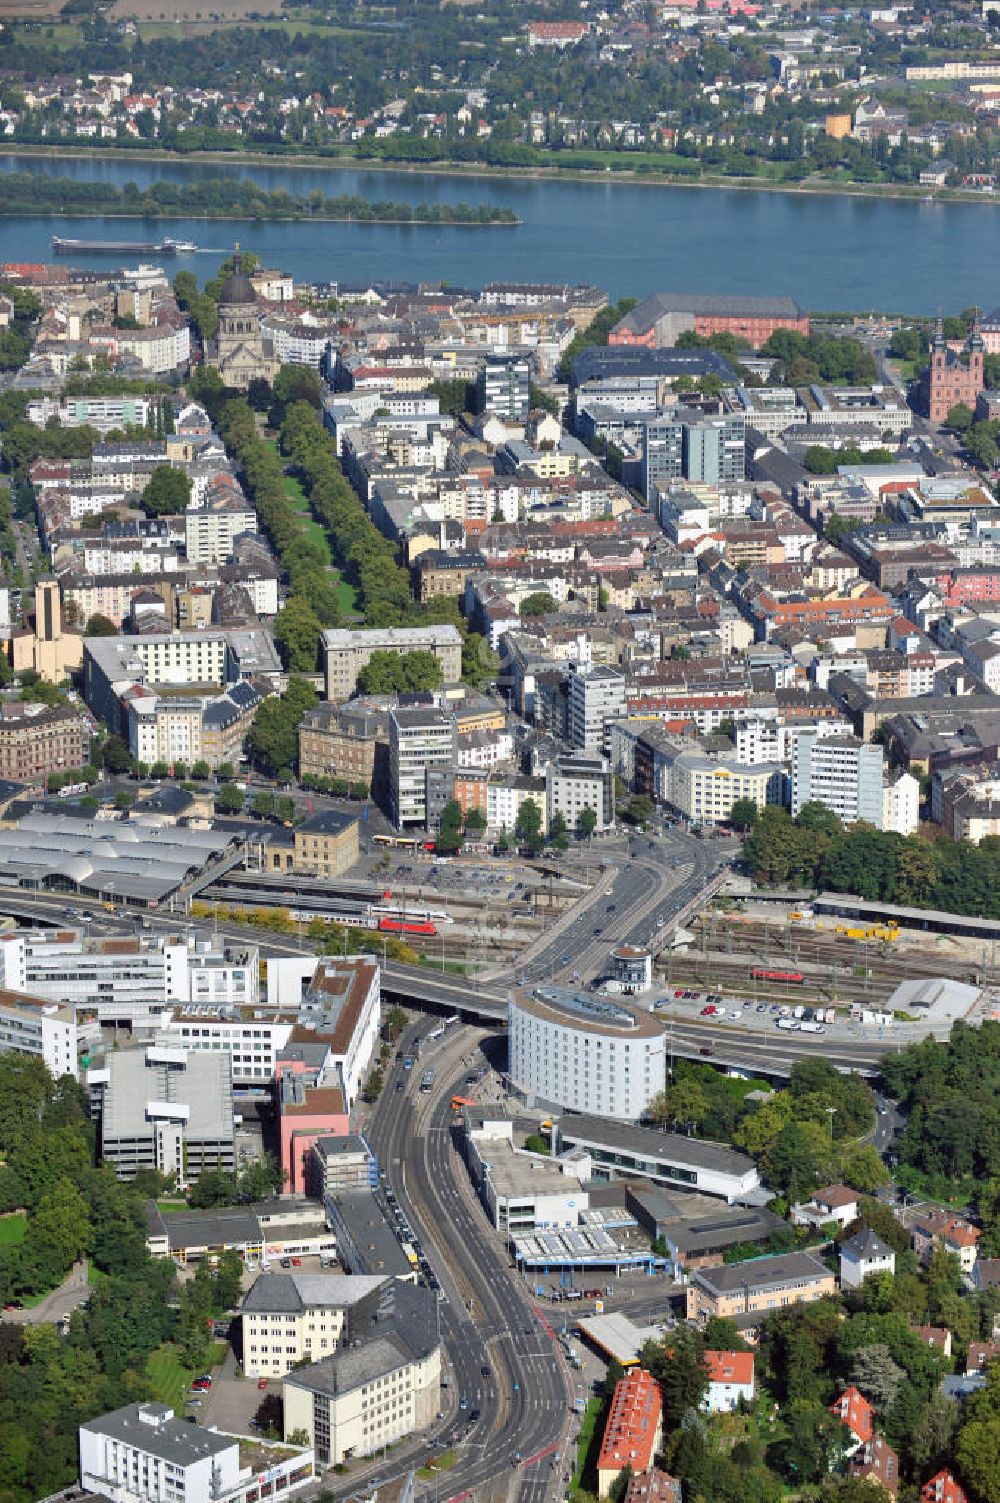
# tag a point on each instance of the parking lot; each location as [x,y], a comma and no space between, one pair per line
[232,1401]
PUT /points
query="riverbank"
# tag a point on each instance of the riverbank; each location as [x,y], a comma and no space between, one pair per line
[355,162]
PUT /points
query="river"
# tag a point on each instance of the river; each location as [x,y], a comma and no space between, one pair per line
[829,252]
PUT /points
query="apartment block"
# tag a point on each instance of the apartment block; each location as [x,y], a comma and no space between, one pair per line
[37,739]
[504,388]
[345,741]
[845,774]
[634,1429]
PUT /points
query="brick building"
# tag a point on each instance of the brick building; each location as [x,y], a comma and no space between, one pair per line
[659,319]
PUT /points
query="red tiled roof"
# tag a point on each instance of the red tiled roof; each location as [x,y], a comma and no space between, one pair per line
[729,1367]
[856,1412]
[631,1430]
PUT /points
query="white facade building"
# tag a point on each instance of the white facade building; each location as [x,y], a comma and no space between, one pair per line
[583,1053]
[762,738]
[128,981]
[901,803]
[418,739]
[290,1316]
[46,1029]
[143,1454]
[595,696]
[841,772]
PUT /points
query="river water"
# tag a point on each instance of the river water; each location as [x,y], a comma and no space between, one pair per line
[828,252]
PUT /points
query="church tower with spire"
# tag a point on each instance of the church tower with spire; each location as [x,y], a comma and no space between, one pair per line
[953,378]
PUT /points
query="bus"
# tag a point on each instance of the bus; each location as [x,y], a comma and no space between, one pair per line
[427,1080]
[458,1102]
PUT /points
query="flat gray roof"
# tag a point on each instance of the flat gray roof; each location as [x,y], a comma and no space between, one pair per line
[153,1428]
[775,1272]
[646,1142]
[203,1086]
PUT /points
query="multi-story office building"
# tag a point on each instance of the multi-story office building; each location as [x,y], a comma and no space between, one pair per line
[418,740]
[686,444]
[44,1028]
[595,696]
[504,388]
[347,652]
[37,739]
[165,1109]
[253,1044]
[575,783]
[382,1387]
[845,774]
[128,980]
[288,1317]
[569,1049]
[705,789]
[143,1454]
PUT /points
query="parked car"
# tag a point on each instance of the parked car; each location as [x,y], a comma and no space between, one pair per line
[261,1382]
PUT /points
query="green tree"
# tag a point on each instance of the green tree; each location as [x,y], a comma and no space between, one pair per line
[528,827]
[100,626]
[400,673]
[586,824]
[558,832]
[297,631]
[959,417]
[167,492]
[260,1178]
[977,1452]
[541,603]
[213,1187]
[678,1365]
[480,664]
[743,814]
[449,836]
[116,755]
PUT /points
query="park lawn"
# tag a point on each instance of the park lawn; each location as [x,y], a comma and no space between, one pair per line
[171,1379]
[168,1207]
[13,1228]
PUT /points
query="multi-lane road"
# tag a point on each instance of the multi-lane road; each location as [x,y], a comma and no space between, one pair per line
[658,878]
[506,1363]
